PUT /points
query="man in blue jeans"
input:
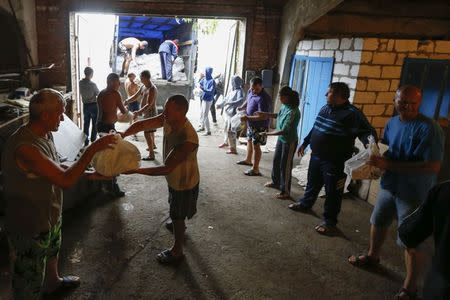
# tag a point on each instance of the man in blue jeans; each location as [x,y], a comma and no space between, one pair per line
[416,149]
[332,140]
[168,52]
[88,93]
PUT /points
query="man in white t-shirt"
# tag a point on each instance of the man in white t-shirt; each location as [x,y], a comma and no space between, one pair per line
[180,167]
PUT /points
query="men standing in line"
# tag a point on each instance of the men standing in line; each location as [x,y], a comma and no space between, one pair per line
[33,181]
[88,93]
[128,48]
[332,140]
[257,101]
[109,101]
[411,164]
[168,52]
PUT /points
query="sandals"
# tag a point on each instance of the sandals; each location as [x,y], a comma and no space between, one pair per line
[271,185]
[67,283]
[223,145]
[149,158]
[404,294]
[252,172]
[283,196]
[363,261]
[244,163]
[231,152]
[166,257]
[325,229]
[299,207]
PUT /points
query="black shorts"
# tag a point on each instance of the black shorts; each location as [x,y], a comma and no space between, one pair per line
[105,128]
[183,204]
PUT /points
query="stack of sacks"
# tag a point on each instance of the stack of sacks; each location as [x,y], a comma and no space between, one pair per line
[152,63]
[122,158]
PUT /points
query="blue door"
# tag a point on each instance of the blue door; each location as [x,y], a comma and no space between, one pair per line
[310,76]
[433,77]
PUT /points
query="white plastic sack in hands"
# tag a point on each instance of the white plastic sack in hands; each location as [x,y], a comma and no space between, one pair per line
[125,118]
[357,167]
[236,123]
[112,162]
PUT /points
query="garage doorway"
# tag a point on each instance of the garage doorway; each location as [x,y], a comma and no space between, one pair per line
[214,42]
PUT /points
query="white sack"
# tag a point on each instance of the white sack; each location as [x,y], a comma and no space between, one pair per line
[357,168]
[125,118]
[236,123]
[123,157]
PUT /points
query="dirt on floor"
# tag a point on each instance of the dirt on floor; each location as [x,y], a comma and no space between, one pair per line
[242,244]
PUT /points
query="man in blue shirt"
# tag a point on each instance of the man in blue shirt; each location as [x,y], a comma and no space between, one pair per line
[416,148]
[257,101]
[167,50]
[332,140]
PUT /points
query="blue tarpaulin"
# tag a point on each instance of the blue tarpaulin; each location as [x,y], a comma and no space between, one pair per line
[146,27]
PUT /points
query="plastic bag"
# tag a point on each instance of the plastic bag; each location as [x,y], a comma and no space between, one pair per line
[236,123]
[125,118]
[123,157]
[357,168]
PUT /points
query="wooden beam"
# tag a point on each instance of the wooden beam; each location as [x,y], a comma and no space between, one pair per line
[376,26]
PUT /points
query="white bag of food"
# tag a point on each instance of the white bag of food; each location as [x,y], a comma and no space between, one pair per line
[123,157]
[357,168]
[125,118]
[236,123]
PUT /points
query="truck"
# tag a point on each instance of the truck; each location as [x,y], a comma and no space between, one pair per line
[155,30]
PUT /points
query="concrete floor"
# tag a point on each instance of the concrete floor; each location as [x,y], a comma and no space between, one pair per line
[242,244]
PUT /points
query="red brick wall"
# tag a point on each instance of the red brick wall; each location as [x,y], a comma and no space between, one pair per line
[52,22]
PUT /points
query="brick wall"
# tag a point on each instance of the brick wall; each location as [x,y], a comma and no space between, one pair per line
[380,70]
[52,21]
[372,68]
[347,56]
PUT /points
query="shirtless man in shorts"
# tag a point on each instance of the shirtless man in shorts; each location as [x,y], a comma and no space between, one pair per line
[109,101]
[148,109]
[128,48]
[131,88]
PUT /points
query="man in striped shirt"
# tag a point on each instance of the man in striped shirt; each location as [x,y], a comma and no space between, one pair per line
[332,140]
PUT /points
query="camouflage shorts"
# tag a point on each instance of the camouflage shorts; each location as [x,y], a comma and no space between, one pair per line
[29,261]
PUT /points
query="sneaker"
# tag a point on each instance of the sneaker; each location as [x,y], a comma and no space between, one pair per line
[200,129]
[207,133]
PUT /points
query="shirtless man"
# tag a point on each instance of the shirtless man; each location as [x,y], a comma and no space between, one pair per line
[131,88]
[148,109]
[109,101]
[128,48]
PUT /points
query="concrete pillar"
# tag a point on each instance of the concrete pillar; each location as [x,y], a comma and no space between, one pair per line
[297,14]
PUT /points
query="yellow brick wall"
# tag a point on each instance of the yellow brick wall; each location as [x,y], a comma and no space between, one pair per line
[380,71]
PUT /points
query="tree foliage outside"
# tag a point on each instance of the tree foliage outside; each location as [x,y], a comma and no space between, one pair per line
[205,26]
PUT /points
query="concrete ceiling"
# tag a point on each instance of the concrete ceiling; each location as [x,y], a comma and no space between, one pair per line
[390,18]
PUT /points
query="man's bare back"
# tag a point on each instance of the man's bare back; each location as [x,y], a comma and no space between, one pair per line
[108,102]
[130,42]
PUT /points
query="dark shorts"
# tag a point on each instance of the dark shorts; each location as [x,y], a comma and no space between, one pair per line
[183,204]
[253,134]
[105,128]
[30,259]
[133,106]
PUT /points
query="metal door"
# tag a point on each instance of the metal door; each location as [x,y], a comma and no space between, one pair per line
[310,76]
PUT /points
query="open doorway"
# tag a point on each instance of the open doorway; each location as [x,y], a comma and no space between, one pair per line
[218,43]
